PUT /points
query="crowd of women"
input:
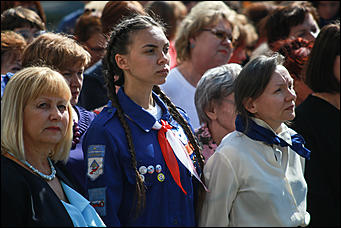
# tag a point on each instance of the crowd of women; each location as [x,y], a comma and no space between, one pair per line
[170,113]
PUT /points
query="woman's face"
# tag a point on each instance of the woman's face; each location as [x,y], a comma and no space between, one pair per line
[45,121]
[328,9]
[276,105]
[225,114]
[147,61]
[74,76]
[11,62]
[213,46]
[307,30]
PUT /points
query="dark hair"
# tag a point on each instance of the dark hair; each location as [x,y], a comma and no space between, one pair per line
[114,11]
[320,75]
[120,39]
[86,25]
[27,4]
[283,18]
[19,17]
[252,81]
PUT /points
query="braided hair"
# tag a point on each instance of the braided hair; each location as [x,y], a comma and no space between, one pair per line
[120,39]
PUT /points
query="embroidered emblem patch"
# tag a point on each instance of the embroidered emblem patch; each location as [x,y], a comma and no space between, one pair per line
[98,200]
[95,161]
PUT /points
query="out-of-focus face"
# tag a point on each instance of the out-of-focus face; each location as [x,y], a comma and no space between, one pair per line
[28,33]
[276,105]
[11,62]
[328,9]
[96,46]
[45,121]
[239,55]
[74,76]
[225,114]
[307,30]
[147,61]
[213,46]
[337,68]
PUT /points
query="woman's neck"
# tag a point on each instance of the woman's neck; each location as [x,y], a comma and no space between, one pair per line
[333,99]
[140,95]
[190,73]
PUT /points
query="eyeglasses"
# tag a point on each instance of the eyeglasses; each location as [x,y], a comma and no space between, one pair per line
[220,34]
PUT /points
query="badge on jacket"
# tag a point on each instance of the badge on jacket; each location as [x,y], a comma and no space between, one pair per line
[95,161]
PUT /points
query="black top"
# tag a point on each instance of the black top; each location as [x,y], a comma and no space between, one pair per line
[28,200]
[319,123]
[94,92]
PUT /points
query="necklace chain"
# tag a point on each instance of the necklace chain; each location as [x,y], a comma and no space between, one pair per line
[47,177]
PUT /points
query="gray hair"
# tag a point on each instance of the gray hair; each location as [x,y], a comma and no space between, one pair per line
[215,84]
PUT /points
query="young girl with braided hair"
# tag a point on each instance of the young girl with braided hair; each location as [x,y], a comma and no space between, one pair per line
[144,164]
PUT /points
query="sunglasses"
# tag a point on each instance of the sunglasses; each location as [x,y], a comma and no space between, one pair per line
[220,34]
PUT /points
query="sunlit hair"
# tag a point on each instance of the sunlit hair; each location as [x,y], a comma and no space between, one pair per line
[213,87]
[27,85]
[55,50]
[202,15]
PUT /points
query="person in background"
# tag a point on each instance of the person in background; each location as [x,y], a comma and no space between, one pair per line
[23,21]
[328,11]
[32,5]
[245,42]
[290,20]
[214,101]
[318,120]
[204,40]
[68,22]
[12,46]
[144,163]
[88,32]
[36,133]
[256,176]
[94,93]
[171,13]
[70,59]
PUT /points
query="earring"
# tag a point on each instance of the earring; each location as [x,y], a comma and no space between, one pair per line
[192,45]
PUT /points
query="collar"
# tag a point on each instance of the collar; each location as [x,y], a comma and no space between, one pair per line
[137,114]
[75,198]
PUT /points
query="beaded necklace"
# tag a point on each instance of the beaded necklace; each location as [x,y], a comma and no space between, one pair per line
[47,177]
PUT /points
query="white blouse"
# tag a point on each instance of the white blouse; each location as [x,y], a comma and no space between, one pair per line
[254,184]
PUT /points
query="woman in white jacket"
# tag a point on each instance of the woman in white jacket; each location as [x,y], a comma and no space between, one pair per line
[255,178]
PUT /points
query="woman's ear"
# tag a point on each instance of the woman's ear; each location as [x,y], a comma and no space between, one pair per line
[121,61]
[249,105]
[211,112]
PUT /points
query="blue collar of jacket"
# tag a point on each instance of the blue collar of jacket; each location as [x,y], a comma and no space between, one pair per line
[137,114]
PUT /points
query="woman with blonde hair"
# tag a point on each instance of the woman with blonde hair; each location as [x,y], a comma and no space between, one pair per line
[203,41]
[36,133]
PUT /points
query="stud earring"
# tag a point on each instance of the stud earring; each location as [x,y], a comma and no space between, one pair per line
[192,45]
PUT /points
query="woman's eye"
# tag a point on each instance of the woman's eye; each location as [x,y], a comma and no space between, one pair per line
[43,105]
[62,108]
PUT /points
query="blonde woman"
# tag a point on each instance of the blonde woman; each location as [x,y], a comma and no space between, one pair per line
[36,132]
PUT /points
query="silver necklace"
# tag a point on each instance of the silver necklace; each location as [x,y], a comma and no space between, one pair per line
[47,177]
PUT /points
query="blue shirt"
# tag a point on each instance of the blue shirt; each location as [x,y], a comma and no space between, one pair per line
[112,180]
[81,212]
[4,80]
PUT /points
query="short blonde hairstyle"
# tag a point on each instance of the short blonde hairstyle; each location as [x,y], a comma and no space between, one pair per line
[55,50]
[203,14]
[27,85]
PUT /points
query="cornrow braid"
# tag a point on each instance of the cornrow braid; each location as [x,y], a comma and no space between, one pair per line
[192,139]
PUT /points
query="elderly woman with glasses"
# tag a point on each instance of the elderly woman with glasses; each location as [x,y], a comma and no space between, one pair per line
[204,40]
[214,101]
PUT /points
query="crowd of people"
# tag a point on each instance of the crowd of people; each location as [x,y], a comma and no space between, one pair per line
[171,113]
